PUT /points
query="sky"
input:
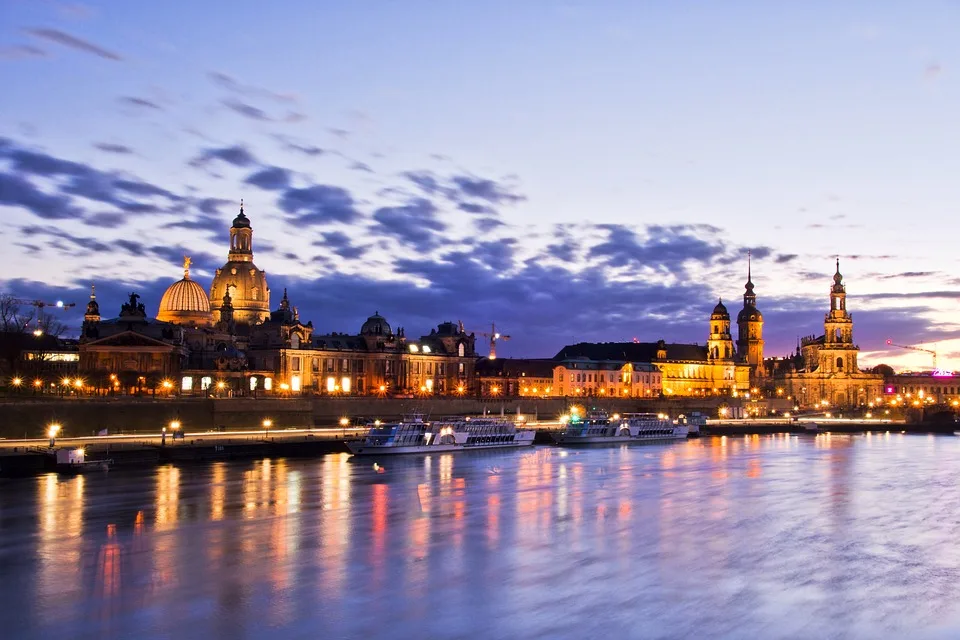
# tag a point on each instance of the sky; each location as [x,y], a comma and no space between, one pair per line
[571,171]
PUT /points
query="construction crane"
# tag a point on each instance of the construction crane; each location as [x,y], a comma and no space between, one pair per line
[493,335]
[40,305]
[911,348]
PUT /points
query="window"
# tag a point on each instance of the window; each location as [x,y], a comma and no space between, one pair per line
[429,368]
[205,383]
[295,340]
[329,365]
[416,368]
[331,384]
[358,365]
[316,365]
[344,365]
[296,364]
[268,383]
[840,364]
[253,383]
[345,384]
[295,383]
[187,383]
[461,350]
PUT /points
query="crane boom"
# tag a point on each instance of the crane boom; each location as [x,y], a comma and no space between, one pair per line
[913,348]
[493,335]
[39,305]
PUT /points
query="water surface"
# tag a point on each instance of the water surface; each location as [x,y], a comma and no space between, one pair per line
[746,537]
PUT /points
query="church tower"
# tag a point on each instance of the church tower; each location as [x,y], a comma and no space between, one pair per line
[750,329]
[246,284]
[838,354]
[720,342]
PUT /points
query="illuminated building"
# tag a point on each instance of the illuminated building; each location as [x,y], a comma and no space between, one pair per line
[185,302]
[824,371]
[508,377]
[750,332]
[240,277]
[582,376]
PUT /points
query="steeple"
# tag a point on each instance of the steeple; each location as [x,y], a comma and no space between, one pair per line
[749,297]
[241,238]
[285,302]
[93,307]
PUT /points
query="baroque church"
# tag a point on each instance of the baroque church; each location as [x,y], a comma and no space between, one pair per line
[230,342]
[824,371]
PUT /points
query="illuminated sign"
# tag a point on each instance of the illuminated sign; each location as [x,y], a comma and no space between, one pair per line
[941,373]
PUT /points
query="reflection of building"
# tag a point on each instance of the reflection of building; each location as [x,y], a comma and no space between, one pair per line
[824,370]
[231,343]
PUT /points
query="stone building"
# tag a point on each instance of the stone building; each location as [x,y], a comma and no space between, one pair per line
[509,377]
[824,371]
[750,332]
[240,277]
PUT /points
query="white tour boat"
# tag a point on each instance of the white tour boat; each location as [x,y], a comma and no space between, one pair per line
[599,428]
[414,434]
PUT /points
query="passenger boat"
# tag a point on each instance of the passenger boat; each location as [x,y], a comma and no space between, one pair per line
[415,434]
[599,428]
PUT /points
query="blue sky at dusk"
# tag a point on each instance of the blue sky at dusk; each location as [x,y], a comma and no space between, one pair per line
[570,170]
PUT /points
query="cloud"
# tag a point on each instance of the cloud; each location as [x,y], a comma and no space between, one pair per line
[319,204]
[470,207]
[341,244]
[270,178]
[229,83]
[485,189]
[664,248]
[784,258]
[236,155]
[73,42]
[361,166]
[299,147]
[21,51]
[139,102]
[343,134]
[247,111]
[111,147]
[15,191]
[932,70]
[486,225]
[415,224]
[909,274]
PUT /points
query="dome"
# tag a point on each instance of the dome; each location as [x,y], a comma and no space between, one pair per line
[185,302]
[721,310]
[376,325]
[749,313]
[241,221]
[248,290]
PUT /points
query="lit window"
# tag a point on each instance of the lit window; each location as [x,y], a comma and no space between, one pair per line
[187,383]
[345,384]
[268,383]
[426,349]
[205,383]
[331,384]
[414,348]
[429,384]
[295,383]
[253,383]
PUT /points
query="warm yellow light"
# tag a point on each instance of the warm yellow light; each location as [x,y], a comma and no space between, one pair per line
[423,387]
[113,376]
[65,382]
[564,419]
[376,422]
[81,452]
[460,388]
[344,422]
[494,390]
[221,384]
[174,425]
[38,382]
[615,416]
[284,386]
[267,423]
[383,387]
[53,430]
[78,383]
[38,332]
[167,384]
[17,382]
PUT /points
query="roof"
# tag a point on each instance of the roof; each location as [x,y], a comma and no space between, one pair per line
[632,351]
[516,367]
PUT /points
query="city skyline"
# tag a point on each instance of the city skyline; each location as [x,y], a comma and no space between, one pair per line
[608,165]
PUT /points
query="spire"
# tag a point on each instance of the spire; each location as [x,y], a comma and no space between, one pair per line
[285,302]
[241,220]
[186,267]
[749,285]
[93,292]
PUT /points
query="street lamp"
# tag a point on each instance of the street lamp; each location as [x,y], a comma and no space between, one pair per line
[267,423]
[52,432]
[16,382]
[174,427]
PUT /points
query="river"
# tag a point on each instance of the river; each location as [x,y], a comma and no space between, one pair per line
[736,537]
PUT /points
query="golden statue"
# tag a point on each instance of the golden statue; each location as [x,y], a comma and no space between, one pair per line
[186,266]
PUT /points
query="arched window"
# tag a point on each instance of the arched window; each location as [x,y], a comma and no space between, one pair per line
[255,293]
[461,350]
[295,340]
[840,364]
[838,335]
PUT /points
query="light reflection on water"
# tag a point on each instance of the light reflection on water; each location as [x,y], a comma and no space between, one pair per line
[754,536]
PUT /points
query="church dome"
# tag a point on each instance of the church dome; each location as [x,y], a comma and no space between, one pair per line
[185,301]
[376,325]
[721,310]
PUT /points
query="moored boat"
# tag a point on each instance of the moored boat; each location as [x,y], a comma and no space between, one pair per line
[415,434]
[599,428]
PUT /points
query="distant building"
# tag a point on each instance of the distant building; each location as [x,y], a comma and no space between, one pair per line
[509,377]
[581,376]
[942,387]
[824,371]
